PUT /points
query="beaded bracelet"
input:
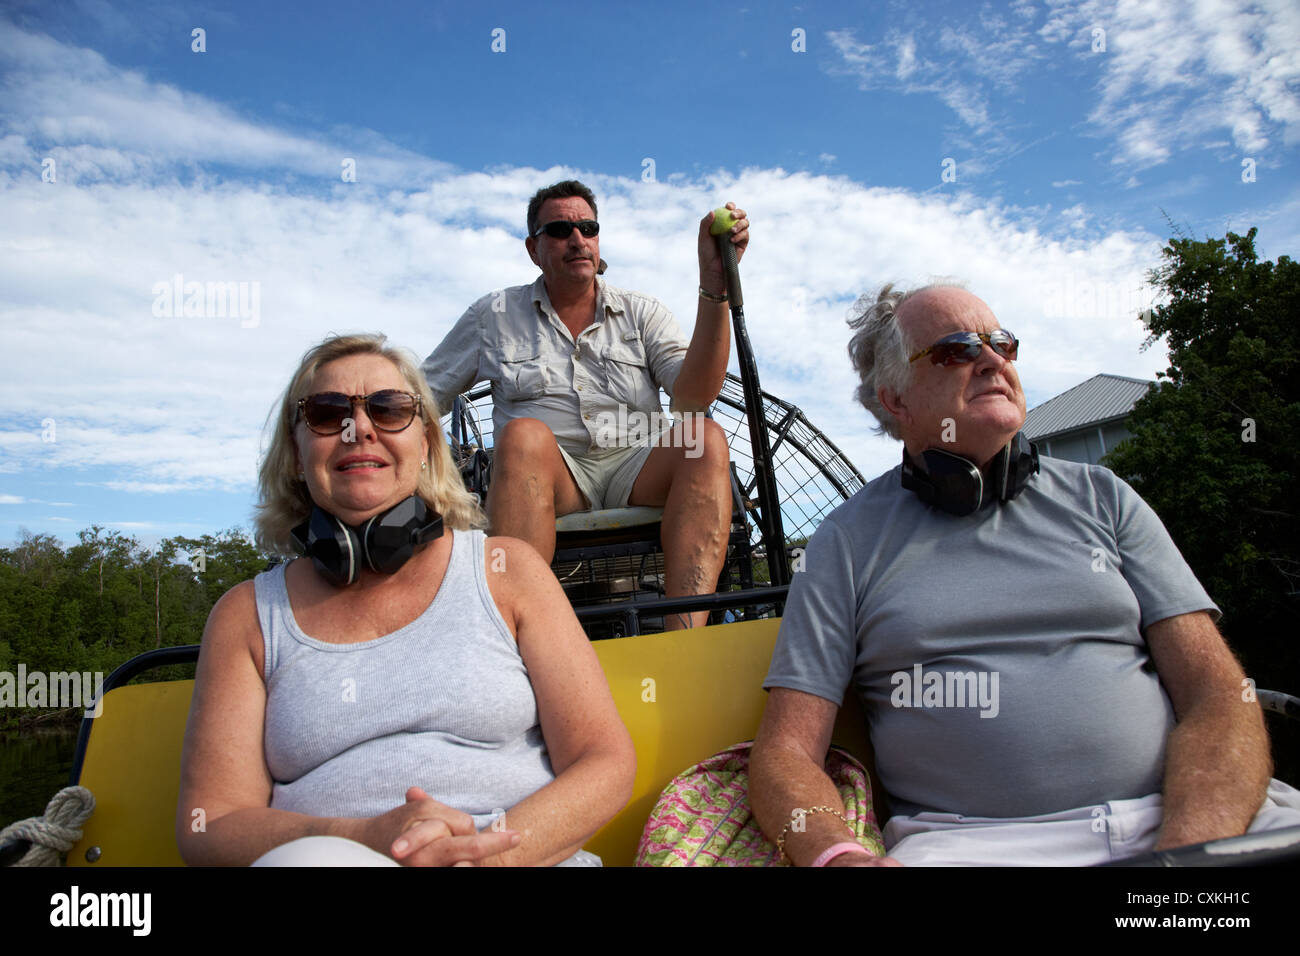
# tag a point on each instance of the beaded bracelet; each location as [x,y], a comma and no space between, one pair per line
[780,841]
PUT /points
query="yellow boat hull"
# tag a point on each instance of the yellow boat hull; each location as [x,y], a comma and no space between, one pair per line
[684,696]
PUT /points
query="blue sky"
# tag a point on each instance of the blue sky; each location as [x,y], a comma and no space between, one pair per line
[1075,133]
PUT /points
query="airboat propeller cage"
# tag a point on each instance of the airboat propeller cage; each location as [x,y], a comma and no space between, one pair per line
[770,526]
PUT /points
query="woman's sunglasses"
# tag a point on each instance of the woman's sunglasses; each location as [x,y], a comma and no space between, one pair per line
[389,410]
[962,348]
[563,228]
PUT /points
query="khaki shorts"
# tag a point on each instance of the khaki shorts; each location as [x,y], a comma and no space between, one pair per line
[606,480]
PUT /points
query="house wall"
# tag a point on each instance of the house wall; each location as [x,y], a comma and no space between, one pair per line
[1086,445]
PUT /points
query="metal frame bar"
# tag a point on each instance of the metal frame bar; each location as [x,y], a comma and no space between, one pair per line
[630,612]
[160,657]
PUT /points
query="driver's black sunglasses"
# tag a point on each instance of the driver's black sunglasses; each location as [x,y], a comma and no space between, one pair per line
[562,228]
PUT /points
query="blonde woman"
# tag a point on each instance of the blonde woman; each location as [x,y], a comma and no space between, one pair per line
[413,692]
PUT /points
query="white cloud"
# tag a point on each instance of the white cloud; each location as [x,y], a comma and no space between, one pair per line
[976,67]
[1075,217]
[166,405]
[1001,52]
[108,123]
[943,76]
[162,405]
[12,500]
[1190,71]
[906,47]
[147,487]
[1141,143]
[1171,76]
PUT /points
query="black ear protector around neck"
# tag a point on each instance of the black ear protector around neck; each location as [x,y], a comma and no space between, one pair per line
[955,484]
[383,544]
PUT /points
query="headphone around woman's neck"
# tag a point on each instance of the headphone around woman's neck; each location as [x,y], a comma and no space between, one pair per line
[383,544]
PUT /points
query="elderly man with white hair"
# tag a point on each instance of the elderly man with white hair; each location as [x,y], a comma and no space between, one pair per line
[1041,672]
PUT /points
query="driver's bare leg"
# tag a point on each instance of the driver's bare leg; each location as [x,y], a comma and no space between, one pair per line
[530,485]
[693,485]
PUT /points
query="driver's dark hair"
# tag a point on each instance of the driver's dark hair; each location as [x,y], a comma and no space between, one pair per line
[561,190]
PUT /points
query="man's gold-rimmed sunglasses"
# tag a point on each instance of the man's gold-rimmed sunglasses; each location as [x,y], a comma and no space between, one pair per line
[961,348]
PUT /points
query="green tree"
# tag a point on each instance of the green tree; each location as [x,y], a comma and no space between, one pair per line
[219,562]
[34,570]
[1214,447]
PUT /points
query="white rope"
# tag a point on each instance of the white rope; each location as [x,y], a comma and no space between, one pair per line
[55,833]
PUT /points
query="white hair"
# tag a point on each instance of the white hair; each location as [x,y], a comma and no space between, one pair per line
[879,350]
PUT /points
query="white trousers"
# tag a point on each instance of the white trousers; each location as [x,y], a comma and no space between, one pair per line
[323,851]
[1086,836]
[337,851]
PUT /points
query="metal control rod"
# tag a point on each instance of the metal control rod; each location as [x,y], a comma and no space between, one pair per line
[769,502]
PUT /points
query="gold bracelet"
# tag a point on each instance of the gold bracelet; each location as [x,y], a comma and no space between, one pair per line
[780,841]
[712,296]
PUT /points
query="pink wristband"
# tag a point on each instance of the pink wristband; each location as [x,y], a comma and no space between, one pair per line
[839,849]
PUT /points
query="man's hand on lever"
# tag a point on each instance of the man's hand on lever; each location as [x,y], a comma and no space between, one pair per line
[712,278]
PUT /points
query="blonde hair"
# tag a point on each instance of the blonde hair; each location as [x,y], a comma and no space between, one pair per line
[284,501]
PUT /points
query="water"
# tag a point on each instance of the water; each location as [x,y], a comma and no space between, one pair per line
[33,768]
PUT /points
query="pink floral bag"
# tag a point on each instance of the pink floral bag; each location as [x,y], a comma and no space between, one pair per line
[703,818]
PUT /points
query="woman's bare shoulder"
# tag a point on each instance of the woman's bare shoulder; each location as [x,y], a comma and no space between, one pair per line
[518,577]
[233,628]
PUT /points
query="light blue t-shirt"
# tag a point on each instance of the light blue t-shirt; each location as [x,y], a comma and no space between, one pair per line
[999,656]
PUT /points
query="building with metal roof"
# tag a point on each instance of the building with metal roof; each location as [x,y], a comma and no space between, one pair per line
[1087,421]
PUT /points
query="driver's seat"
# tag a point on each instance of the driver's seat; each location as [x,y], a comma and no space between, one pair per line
[605,556]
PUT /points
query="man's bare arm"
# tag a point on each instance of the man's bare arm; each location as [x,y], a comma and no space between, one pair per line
[705,367]
[1217,763]
[786,772]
